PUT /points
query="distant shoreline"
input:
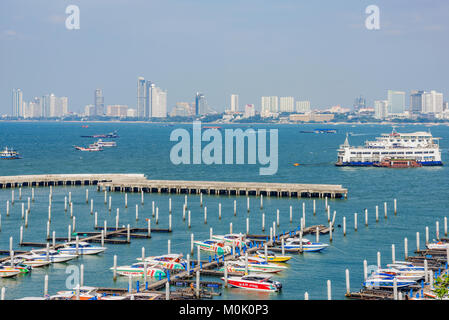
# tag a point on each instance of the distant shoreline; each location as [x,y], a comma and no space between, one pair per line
[237,123]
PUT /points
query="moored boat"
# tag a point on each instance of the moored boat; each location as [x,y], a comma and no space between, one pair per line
[271,256]
[212,245]
[307,246]
[90,149]
[437,245]
[8,272]
[231,238]
[138,270]
[84,248]
[167,261]
[255,282]
[239,267]
[52,256]
[386,282]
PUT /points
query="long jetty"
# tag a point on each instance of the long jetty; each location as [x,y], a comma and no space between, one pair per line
[139,183]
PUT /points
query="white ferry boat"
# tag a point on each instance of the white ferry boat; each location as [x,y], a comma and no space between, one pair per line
[421,147]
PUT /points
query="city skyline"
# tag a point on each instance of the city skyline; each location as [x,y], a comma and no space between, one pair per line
[283,57]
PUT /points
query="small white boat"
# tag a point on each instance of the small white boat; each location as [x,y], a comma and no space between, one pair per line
[259,282]
[8,272]
[307,246]
[84,248]
[101,144]
[52,256]
[32,263]
[239,267]
[437,245]
[85,293]
[212,245]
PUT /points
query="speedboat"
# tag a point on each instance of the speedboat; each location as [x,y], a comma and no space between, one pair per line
[259,264]
[32,263]
[9,154]
[167,261]
[85,293]
[386,282]
[53,256]
[271,256]
[307,246]
[17,265]
[239,267]
[231,238]
[400,275]
[138,269]
[84,248]
[8,272]
[103,144]
[406,267]
[438,245]
[213,245]
[259,282]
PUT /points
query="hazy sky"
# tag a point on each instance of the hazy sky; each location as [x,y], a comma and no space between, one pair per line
[315,50]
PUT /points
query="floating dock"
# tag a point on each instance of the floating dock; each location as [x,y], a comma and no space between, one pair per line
[139,183]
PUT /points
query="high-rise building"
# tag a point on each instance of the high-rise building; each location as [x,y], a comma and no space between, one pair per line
[303,106]
[381,109]
[117,110]
[32,109]
[274,104]
[99,102]
[45,106]
[265,105]
[181,109]
[158,102]
[432,102]
[141,97]
[416,101]
[359,103]
[234,102]
[89,110]
[17,103]
[287,104]
[58,106]
[200,104]
[396,101]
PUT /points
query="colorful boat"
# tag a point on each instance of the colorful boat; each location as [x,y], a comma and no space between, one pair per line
[167,261]
[9,154]
[84,248]
[400,275]
[239,267]
[255,282]
[19,266]
[307,246]
[8,272]
[138,269]
[231,238]
[271,256]
[85,293]
[212,245]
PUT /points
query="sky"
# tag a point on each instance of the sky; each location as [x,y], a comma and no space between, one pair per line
[312,50]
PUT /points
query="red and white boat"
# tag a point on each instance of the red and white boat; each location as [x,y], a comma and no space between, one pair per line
[259,282]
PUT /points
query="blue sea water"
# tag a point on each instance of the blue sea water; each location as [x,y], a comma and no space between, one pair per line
[47,147]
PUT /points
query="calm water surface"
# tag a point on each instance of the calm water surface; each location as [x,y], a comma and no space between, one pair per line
[144,148]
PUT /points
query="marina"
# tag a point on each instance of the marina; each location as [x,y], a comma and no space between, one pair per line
[347,226]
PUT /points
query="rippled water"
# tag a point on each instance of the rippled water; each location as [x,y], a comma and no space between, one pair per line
[144,148]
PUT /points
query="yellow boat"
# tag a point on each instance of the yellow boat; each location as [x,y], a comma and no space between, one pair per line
[296,164]
[272,257]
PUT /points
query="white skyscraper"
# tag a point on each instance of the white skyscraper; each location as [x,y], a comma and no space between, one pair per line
[250,111]
[287,104]
[58,106]
[234,102]
[303,106]
[158,102]
[274,104]
[432,102]
[380,109]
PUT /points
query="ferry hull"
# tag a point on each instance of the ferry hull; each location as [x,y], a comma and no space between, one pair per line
[371,164]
